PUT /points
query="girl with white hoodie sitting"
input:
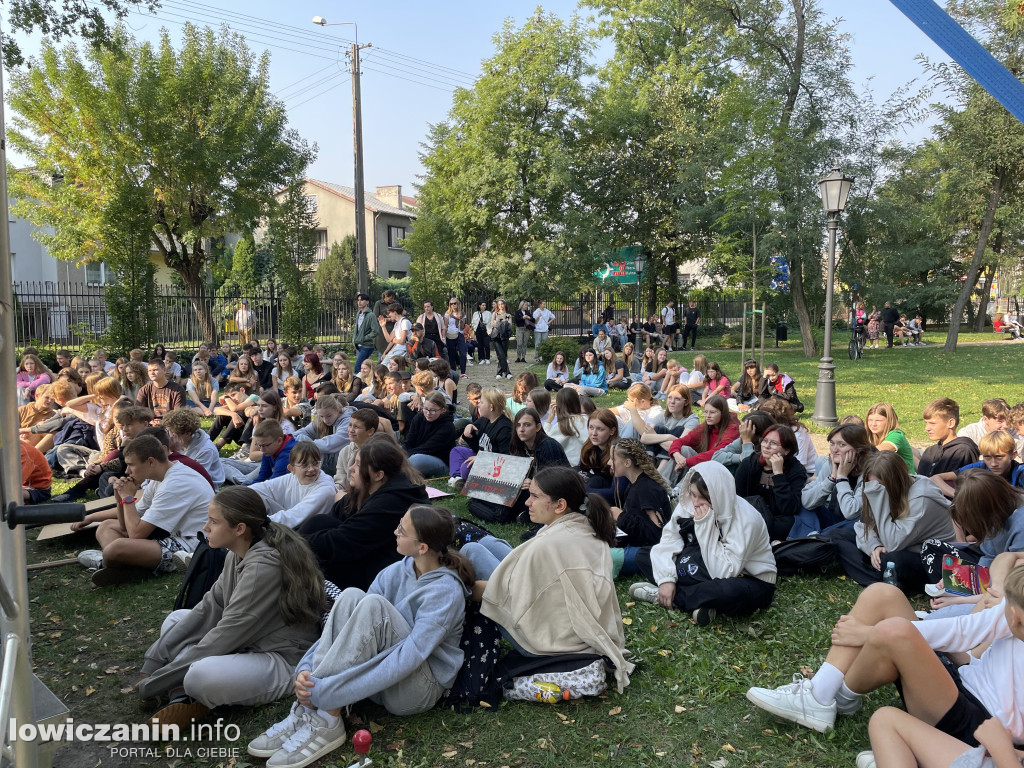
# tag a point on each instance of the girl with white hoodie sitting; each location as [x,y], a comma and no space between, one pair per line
[305,491]
[714,554]
[396,644]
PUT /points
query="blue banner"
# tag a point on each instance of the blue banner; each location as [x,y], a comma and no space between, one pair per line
[967,52]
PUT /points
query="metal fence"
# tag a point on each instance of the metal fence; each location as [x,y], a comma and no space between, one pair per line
[60,314]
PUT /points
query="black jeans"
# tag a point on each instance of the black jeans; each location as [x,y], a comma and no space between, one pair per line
[501,348]
[890,331]
[910,571]
[690,330]
[483,344]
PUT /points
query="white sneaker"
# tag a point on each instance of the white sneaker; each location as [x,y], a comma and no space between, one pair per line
[313,740]
[866,759]
[456,483]
[91,559]
[796,703]
[497,376]
[469,362]
[272,739]
[644,590]
[181,560]
[934,590]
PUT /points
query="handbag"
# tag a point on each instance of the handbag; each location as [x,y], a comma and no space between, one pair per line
[690,566]
[505,329]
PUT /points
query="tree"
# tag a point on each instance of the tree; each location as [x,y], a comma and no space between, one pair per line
[499,200]
[196,129]
[337,273]
[244,271]
[291,233]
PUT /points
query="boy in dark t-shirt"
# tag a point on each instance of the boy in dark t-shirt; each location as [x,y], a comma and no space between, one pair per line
[159,394]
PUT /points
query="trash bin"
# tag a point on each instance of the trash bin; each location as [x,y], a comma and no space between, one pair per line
[781,333]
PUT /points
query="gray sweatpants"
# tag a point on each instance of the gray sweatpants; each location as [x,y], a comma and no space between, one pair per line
[236,678]
[668,469]
[239,472]
[360,627]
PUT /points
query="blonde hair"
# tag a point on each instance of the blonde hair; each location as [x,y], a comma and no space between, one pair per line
[996,442]
[107,386]
[423,381]
[891,421]
[639,392]
[333,401]
[496,399]
[203,386]
[1013,587]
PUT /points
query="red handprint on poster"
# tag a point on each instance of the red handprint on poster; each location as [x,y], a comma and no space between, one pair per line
[496,469]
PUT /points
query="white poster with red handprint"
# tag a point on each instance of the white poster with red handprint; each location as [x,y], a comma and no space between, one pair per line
[497,477]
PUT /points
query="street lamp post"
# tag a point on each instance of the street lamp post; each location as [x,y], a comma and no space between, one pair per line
[362,273]
[835,189]
[639,261]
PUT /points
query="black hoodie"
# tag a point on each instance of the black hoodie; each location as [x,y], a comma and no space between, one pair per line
[434,438]
[353,547]
[948,456]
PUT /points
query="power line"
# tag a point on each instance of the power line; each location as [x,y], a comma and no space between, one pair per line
[303,79]
[318,95]
[372,55]
[407,79]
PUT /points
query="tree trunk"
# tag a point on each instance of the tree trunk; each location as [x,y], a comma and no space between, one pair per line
[197,295]
[998,180]
[803,316]
[988,277]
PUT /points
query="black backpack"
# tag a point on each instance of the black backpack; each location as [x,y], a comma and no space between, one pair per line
[807,555]
[203,572]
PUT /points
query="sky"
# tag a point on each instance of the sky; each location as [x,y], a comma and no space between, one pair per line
[419,52]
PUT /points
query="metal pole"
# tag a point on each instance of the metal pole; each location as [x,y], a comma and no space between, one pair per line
[825,398]
[357,139]
[637,348]
[743,337]
[764,314]
[12,542]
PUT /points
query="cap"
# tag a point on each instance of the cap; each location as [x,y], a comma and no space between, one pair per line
[417,326]
[245,301]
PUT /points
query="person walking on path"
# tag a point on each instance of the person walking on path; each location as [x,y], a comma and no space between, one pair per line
[543,317]
[890,316]
[245,319]
[523,322]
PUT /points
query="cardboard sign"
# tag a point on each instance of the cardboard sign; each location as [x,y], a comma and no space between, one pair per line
[56,530]
[497,478]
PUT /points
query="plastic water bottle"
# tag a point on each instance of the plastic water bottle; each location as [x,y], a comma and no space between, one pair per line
[550,693]
[889,574]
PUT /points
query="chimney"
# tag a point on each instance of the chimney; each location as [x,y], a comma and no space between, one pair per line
[391,195]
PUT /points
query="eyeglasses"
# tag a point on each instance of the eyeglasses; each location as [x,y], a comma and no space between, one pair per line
[431,410]
[770,444]
[307,465]
[400,532]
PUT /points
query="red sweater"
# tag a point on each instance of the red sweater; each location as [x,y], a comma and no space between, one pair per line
[718,437]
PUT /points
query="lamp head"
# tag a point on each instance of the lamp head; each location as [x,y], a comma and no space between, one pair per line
[835,190]
[320,20]
[639,261]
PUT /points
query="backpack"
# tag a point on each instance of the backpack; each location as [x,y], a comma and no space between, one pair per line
[806,555]
[203,572]
[467,531]
[582,674]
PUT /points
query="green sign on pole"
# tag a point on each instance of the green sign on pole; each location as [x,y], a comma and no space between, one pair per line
[622,268]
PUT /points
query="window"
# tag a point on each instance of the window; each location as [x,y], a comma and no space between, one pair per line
[321,246]
[310,203]
[97,273]
[396,273]
[395,235]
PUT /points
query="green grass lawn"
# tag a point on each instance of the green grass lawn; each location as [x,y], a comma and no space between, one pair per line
[685,705]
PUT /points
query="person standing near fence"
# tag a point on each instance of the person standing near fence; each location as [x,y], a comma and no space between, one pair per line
[890,316]
[380,309]
[543,317]
[365,330]
[690,318]
[245,320]
[668,323]
[523,323]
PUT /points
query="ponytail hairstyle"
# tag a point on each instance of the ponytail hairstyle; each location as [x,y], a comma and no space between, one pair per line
[334,402]
[301,599]
[893,475]
[636,452]
[565,483]
[380,453]
[591,457]
[567,405]
[435,527]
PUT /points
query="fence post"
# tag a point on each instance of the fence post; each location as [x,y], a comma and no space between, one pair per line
[764,315]
[743,341]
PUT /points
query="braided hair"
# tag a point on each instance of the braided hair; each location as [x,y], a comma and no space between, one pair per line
[634,450]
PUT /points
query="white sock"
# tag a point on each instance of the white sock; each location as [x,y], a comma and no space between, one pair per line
[332,720]
[845,696]
[826,683]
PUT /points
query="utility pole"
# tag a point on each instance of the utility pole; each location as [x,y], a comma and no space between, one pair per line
[362,273]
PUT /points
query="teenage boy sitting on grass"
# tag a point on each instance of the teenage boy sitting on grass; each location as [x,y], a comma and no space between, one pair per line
[186,436]
[39,410]
[362,425]
[36,475]
[41,433]
[995,414]
[998,454]
[160,394]
[269,438]
[950,453]
[882,641]
[305,491]
[149,530]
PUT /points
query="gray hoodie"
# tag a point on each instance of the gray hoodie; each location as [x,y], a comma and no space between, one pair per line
[435,607]
[239,614]
[927,518]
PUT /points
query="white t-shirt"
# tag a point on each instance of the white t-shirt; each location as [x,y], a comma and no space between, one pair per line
[668,315]
[542,317]
[403,325]
[179,503]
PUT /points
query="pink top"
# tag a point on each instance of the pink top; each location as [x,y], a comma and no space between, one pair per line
[27,382]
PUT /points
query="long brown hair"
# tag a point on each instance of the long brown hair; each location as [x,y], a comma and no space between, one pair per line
[525,381]
[301,599]
[564,483]
[892,473]
[435,527]
[590,454]
[567,405]
[380,453]
[983,502]
[891,421]
[855,436]
[720,404]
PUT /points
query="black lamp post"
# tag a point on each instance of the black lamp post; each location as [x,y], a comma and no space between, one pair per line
[835,189]
[639,261]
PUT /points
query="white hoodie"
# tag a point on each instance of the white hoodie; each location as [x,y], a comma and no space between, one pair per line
[733,537]
[291,503]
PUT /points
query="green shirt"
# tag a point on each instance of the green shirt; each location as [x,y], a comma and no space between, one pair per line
[897,438]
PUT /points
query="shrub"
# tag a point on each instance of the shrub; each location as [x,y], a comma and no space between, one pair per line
[567,345]
[730,341]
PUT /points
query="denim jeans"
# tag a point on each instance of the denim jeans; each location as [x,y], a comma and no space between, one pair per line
[429,466]
[486,555]
[538,338]
[362,353]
